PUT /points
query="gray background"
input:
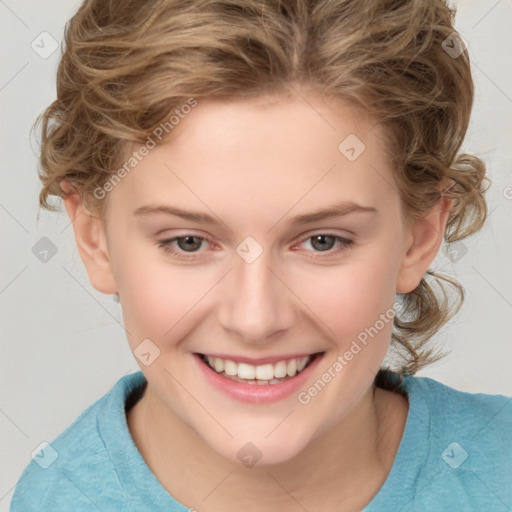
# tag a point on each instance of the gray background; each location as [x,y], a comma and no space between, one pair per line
[62,344]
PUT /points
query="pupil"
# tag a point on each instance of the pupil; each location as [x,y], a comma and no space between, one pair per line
[321,239]
[188,238]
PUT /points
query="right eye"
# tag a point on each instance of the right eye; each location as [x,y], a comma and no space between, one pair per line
[184,243]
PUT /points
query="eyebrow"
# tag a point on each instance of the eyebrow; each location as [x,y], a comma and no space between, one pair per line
[337,210]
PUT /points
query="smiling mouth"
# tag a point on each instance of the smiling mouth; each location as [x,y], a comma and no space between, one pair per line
[269,373]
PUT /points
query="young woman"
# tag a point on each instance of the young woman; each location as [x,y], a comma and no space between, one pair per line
[264,185]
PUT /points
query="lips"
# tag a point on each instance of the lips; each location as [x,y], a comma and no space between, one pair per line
[258,390]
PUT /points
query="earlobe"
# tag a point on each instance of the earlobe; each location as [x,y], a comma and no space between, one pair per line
[427,236]
[91,241]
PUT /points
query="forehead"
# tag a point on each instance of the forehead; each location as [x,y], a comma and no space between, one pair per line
[269,121]
[269,152]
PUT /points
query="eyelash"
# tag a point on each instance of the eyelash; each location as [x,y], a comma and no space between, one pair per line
[165,245]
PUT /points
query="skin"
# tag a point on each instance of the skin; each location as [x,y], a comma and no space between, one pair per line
[254,164]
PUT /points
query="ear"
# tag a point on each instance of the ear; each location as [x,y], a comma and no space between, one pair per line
[91,241]
[425,238]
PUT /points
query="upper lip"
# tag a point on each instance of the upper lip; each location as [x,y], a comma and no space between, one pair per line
[260,360]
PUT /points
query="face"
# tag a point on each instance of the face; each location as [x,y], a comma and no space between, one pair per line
[261,276]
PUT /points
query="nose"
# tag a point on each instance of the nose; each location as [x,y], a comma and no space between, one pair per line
[256,304]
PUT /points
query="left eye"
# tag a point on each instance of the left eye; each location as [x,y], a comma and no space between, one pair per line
[324,242]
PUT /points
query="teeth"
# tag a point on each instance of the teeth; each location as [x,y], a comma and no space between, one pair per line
[219,365]
[302,364]
[230,367]
[262,374]
[246,371]
[291,368]
[280,370]
[265,372]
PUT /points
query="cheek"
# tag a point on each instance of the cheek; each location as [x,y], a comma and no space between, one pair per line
[158,299]
[351,297]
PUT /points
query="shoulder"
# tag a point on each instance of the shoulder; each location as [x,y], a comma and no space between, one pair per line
[469,451]
[456,451]
[72,469]
[473,412]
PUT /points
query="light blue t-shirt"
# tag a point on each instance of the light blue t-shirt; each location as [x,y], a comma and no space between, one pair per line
[455,455]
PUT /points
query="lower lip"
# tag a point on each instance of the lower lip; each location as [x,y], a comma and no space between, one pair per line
[258,393]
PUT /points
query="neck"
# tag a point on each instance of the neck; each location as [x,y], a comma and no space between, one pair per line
[356,454]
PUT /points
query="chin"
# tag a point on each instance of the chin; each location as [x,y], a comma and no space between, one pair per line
[259,450]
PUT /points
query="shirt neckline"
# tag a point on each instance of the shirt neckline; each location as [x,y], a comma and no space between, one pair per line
[139,483]
[411,457]
[131,468]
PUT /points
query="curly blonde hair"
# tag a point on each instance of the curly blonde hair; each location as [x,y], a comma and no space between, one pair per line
[127,65]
